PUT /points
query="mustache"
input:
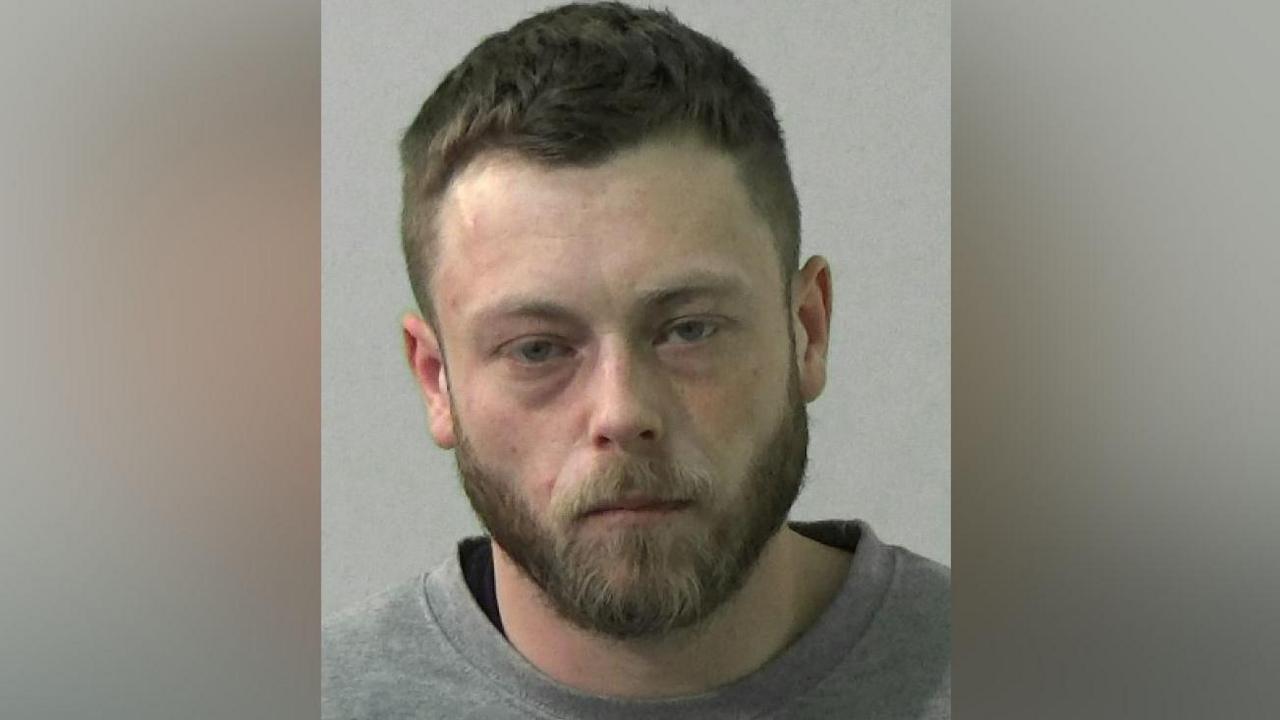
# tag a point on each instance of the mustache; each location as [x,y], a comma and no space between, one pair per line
[632,479]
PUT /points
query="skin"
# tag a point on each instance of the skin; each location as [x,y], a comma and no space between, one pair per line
[633,309]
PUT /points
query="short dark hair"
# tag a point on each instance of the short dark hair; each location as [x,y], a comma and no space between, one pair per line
[573,86]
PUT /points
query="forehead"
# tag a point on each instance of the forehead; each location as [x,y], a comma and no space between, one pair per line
[599,235]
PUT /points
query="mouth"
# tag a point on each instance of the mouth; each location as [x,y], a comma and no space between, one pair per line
[637,509]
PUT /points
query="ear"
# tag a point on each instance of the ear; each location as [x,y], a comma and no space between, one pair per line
[426,360]
[811,323]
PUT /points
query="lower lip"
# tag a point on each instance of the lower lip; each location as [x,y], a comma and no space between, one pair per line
[646,513]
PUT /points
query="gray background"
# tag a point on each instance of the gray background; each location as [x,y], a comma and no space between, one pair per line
[863,93]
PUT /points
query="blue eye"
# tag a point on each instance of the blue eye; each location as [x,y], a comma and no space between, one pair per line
[691,331]
[534,352]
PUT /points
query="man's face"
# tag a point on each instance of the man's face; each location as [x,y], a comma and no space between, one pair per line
[621,379]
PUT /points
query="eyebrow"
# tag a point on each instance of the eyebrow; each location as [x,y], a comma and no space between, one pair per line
[692,286]
[681,289]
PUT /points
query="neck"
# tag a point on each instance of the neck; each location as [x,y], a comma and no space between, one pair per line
[792,583]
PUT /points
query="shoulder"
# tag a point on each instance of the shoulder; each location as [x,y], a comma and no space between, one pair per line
[373,631]
[371,625]
[920,581]
[918,601]
[377,655]
[911,634]
[903,658]
[889,631]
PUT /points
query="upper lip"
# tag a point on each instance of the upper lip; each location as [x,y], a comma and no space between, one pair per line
[637,503]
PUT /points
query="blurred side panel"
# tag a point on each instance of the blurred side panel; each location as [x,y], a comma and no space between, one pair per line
[159,428]
[1116,275]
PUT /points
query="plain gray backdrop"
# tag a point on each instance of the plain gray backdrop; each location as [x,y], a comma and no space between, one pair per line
[863,94]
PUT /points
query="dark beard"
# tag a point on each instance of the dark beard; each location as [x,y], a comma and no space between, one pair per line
[669,580]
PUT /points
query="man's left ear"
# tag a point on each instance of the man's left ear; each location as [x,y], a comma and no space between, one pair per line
[811,323]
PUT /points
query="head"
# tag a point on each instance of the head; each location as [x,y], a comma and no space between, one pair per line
[603,238]
[575,85]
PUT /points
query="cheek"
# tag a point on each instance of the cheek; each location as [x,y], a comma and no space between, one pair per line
[732,416]
[522,445]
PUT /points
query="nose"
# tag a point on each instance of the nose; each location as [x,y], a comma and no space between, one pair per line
[626,414]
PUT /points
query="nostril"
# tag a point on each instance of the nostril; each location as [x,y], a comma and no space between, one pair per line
[604,440]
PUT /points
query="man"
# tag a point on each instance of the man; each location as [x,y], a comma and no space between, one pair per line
[618,342]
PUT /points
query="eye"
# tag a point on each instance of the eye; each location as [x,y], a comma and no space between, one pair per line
[690,331]
[537,351]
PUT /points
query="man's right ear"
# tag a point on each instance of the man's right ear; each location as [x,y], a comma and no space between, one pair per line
[422,349]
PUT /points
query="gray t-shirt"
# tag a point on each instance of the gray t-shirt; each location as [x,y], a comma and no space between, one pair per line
[880,650]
